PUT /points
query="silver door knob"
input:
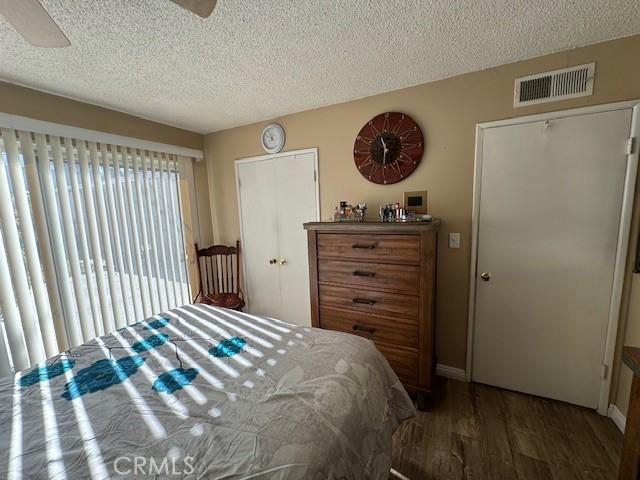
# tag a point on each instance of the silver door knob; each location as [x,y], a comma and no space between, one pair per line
[273,261]
[283,261]
[486,276]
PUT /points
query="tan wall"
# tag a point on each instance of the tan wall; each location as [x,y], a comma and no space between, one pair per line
[17,100]
[447,112]
[23,101]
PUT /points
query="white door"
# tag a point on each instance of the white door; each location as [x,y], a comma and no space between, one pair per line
[259,241]
[550,207]
[295,176]
[277,195]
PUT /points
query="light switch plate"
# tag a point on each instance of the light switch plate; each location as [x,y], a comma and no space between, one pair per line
[454,240]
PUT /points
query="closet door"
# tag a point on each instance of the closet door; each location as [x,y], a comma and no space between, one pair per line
[297,204]
[258,213]
[551,200]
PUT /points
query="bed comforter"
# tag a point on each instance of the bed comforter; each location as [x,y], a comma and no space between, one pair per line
[206,393]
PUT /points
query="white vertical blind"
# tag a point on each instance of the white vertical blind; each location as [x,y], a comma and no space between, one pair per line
[135,239]
[11,316]
[101,324]
[124,230]
[150,226]
[175,218]
[81,231]
[35,346]
[143,227]
[123,277]
[57,245]
[86,326]
[90,240]
[155,174]
[169,243]
[40,295]
[39,216]
[105,236]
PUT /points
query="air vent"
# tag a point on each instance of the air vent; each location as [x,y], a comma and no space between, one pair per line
[556,85]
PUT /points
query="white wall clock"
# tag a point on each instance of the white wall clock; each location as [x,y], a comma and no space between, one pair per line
[272,138]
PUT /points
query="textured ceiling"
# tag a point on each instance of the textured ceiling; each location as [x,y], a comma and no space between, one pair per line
[259,59]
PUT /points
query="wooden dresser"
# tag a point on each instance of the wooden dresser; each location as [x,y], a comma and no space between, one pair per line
[378,280]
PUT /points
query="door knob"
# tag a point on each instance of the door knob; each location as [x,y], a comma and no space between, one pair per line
[486,276]
[273,261]
[283,261]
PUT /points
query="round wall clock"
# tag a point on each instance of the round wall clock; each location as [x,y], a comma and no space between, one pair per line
[272,138]
[388,148]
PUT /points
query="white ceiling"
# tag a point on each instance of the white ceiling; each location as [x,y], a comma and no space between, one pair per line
[258,59]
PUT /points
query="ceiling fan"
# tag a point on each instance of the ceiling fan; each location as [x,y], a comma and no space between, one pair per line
[33,23]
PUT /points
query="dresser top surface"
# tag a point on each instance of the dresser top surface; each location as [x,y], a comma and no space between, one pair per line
[374,226]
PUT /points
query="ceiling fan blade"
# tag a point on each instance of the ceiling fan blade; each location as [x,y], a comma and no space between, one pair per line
[202,8]
[33,23]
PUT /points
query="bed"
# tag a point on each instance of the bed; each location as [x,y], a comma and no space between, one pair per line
[205,392]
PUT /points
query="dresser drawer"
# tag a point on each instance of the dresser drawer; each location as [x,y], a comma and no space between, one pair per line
[399,278]
[403,361]
[404,248]
[398,331]
[370,301]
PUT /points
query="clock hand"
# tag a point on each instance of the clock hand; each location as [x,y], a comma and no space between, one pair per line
[384,152]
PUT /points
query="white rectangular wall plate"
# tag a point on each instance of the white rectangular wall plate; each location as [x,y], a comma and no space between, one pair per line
[454,240]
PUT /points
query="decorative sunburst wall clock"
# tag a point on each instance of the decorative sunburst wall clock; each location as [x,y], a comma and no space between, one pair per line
[388,148]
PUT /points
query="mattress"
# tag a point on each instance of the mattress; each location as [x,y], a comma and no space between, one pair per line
[207,393]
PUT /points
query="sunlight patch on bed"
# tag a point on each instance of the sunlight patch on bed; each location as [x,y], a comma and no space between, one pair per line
[266,322]
[230,325]
[172,402]
[101,375]
[15,451]
[215,382]
[224,333]
[156,428]
[46,372]
[232,372]
[228,347]
[166,364]
[90,444]
[197,430]
[149,344]
[55,463]
[174,380]
[237,358]
[239,319]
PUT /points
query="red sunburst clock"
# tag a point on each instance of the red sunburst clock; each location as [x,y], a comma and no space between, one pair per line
[388,148]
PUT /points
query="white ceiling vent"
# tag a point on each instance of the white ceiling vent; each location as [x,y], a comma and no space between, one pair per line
[555,85]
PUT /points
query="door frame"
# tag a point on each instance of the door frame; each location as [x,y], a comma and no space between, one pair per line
[260,158]
[623,231]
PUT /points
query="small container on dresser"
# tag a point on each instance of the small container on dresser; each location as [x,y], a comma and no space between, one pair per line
[378,280]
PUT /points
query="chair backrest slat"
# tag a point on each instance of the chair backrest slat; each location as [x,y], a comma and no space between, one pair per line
[218,269]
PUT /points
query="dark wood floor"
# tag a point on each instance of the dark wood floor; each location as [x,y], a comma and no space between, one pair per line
[478,432]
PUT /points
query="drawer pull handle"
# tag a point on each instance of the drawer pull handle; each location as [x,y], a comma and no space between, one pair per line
[358,273]
[370,246]
[362,328]
[364,301]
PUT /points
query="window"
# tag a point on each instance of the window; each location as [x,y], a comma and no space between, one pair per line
[91,240]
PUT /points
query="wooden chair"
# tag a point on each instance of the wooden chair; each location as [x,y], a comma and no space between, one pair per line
[219,275]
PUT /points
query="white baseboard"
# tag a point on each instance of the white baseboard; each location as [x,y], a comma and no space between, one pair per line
[616,415]
[451,372]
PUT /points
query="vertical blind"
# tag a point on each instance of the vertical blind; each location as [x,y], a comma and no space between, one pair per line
[90,241]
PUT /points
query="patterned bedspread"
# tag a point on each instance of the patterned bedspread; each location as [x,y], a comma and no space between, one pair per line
[202,392]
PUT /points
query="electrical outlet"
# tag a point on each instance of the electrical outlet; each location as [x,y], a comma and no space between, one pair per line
[454,240]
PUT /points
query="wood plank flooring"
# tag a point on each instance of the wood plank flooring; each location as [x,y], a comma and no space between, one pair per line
[478,432]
